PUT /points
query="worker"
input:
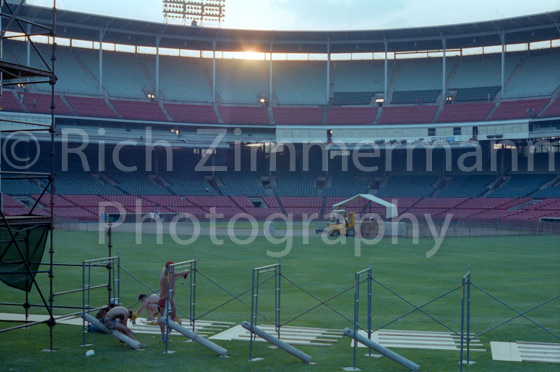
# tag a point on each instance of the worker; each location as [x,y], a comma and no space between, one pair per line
[102,312]
[150,303]
[164,281]
[117,318]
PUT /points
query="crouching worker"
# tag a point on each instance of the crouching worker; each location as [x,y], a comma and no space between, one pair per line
[101,313]
[116,319]
[150,303]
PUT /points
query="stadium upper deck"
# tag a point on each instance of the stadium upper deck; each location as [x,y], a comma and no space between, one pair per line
[84,26]
[338,95]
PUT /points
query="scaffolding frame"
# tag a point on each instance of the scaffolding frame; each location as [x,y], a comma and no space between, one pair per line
[13,74]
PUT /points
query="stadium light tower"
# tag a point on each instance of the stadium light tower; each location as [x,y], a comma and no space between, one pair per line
[195,11]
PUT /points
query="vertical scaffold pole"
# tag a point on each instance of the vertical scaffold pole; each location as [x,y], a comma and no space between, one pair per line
[118,287]
[26,304]
[370,300]
[254,305]
[277,297]
[168,303]
[83,303]
[109,267]
[469,316]
[276,268]
[464,281]
[52,175]
[192,295]
[462,323]
[367,273]
[88,285]
[356,313]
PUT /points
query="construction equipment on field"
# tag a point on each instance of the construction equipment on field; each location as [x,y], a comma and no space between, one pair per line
[343,222]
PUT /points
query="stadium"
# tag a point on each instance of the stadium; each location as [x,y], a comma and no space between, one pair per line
[404,160]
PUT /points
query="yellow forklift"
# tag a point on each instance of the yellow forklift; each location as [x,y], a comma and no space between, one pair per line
[341,222]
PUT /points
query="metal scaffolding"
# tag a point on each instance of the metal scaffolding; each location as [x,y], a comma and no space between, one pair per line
[17,229]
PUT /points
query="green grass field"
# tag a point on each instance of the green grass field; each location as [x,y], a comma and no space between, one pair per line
[523,271]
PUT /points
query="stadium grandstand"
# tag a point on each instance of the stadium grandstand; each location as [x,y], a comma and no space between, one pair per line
[461,119]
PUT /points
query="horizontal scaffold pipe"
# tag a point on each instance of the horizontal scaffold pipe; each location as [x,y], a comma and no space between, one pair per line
[275,341]
[193,336]
[381,349]
[122,337]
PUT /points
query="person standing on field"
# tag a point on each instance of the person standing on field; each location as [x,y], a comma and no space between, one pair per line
[164,302]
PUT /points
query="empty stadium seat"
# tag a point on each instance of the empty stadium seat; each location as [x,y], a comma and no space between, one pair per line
[478,94]
[520,185]
[300,202]
[553,109]
[20,187]
[92,107]
[347,184]
[190,183]
[415,96]
[519,109]
[297,115]
[480,71]
[241,184]
[181,79]
[408,186]
[41,103]
[408,78]
[191,113]
[242,81]
[244,115]
[10,101]
[465,112]
[79,182]
[360,77]
[537,76]
[407,114]
[351,115]
[353,98]
[468,186]
[299,82]
[295,184]
[548,192]
[139,110]
[440,203]
[127,82]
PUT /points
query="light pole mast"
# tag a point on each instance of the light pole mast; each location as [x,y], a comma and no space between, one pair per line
[195,11]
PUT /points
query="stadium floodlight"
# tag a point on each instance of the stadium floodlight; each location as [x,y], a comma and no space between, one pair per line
[196,11]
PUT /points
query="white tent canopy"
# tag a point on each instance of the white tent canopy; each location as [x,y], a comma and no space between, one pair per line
[390,208]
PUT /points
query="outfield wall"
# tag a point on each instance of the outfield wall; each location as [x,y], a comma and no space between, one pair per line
[423,230]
